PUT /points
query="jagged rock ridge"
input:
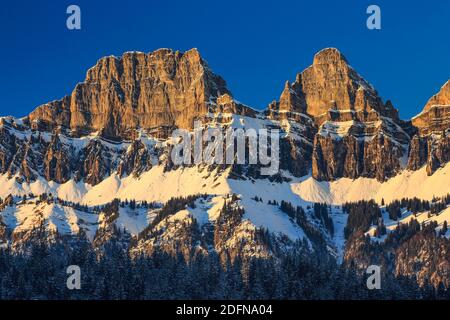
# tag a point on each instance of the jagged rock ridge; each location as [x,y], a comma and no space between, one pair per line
[333,122]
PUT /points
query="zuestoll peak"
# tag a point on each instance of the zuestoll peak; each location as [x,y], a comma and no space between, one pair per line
[330,83]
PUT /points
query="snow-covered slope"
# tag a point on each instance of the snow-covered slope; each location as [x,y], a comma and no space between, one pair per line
[407,216]
[23,217]
[160,185]
[407,184]
[67,220]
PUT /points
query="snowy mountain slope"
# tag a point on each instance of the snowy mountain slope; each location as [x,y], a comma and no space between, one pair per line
[160,185]
[68,219]
[25,216]
[407,184]
[407,216]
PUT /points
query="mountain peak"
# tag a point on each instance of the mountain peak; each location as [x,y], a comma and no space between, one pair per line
[161,88]
[442,98]
[436,114]
[330,83]
[329,56]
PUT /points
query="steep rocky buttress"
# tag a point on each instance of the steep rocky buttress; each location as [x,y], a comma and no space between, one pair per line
[355,133]
[431,145]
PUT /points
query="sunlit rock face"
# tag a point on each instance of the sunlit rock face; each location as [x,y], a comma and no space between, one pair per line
[355,133]
[431,145]
[332,122]
[162,88]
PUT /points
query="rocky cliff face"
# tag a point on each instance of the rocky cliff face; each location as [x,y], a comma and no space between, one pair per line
[333,123]
[330,83]
[355,133]
[431,145]
[441,99]
[137,90]
[435,117]
[356,155]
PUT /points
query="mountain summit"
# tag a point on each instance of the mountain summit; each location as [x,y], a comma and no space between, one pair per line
[137,90]
[331,84]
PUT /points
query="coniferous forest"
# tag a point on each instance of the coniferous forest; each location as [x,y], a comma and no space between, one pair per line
[110,269]
[40,273]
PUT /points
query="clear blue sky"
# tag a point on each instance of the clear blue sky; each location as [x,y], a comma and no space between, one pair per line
[255,45]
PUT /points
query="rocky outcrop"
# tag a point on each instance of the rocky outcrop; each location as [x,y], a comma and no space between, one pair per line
[352,158]
[330,83]
[442,98]
[96,164]
[430,150]
[226,104]
[439,154]
[418,152]
[3,233]
[359,149]
[229,236]
[8,148]
[296,143]
[290,101]
[136,160]
[354,133]
[431,145]
[137,90]
[57,165]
